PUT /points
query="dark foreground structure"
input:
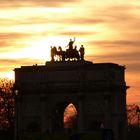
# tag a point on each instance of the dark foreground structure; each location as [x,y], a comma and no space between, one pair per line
[97,90]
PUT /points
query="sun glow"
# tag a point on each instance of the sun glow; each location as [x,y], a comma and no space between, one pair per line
[41,48]
[38,49]
[9,75]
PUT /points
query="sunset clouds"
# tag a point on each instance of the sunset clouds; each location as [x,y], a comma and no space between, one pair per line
[109,30]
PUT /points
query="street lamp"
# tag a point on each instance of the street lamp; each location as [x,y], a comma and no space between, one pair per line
[15,89]
[16,92]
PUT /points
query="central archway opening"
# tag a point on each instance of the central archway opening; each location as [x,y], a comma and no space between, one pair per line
[70,117]
[64,117]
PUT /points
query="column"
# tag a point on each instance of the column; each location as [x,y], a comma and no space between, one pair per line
[16,119]
[80,99]
[107,110]
[18,110]
[115,117]
[124,116]
[44,125]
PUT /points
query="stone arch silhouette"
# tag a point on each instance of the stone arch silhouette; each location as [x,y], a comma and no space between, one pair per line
[97,95]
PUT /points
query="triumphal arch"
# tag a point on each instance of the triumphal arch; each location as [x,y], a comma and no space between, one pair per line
[97,91]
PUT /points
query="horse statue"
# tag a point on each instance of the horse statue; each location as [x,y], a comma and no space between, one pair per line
[71,54]
[60,55]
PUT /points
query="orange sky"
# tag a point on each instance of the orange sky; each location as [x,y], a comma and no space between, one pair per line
[109,30]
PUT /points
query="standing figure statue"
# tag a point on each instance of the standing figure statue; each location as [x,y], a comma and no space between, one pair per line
[82,52]
[53,53]
[71,44]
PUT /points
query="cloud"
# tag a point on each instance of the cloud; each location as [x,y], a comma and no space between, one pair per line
[76,33]
[122,16]
[8,40]
[12,35]
[117,43]
[125,56]
[31,3]
[10,64]
[117,12]
[85,20]
[130,59]
[134,67]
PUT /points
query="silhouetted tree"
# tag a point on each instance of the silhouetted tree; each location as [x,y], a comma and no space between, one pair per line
[133,122]
[132,115]
[6,104]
